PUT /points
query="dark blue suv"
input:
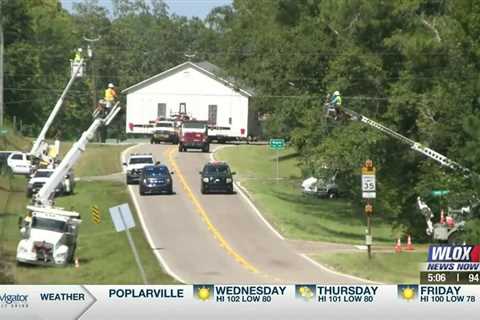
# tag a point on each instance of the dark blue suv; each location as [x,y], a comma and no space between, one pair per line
[156,179]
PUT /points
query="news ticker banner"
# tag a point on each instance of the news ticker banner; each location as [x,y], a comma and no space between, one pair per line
[208,301]
[451,265]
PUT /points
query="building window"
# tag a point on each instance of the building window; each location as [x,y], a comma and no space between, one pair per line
[161,110]
[212,114]
[182,109]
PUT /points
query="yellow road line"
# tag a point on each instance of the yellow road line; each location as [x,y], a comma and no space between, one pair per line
[203,214]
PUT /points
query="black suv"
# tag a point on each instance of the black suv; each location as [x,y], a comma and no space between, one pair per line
[216,177]
[156,179]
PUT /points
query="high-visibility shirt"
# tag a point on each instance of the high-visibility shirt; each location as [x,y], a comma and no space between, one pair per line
[337,100]
[110,94]
[78,56]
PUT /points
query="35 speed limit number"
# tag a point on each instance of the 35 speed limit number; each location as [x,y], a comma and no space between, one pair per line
[368,186]
[368,183]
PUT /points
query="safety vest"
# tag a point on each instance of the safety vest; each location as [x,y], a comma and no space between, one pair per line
[110,94]
[78,56]
[337,101]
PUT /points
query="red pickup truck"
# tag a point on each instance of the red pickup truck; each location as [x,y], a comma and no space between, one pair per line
[194,135]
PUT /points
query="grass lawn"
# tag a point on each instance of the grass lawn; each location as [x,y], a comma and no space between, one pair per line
[99,160]
[12,141]
[384,267]
[293,214]
[105,255]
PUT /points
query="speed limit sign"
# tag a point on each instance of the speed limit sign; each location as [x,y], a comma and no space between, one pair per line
[368,181]
[368,186]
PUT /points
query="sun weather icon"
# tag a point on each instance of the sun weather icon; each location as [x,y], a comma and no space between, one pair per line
[407,292]
[203,292]
[305,292]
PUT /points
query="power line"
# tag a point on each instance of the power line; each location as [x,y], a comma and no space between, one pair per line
[45,90]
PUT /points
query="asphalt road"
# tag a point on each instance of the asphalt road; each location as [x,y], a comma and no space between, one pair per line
[217,238]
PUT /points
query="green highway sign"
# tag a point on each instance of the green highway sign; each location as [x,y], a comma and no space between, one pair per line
[439,193]
[277,144]
[3,131]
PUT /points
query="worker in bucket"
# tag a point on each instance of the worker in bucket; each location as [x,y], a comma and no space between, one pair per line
[110,96]
[336,102]
[78,55]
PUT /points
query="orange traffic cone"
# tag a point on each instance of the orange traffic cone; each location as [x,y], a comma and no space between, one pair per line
[398,246]
[77,262]
[442,217]
[409,243]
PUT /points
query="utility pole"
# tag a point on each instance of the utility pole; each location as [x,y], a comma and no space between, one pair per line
[90,50]
[90,53]
[1,67]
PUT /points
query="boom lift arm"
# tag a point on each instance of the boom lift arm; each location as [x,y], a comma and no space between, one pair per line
[40,144]
[44,197]
[432,154]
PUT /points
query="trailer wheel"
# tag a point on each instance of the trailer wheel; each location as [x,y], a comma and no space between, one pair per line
[206,148]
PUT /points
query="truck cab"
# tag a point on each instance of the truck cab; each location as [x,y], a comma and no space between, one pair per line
[48,237]
[135,164]
[194,135]
[41,176]
[164,131]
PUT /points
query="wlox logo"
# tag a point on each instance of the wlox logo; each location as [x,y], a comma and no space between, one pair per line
[14,300]
[454,253]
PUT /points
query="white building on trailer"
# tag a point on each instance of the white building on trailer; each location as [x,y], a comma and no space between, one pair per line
[206,93]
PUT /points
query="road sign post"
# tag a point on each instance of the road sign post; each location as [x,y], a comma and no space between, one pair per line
[277,170]
[368,238]
[277,145]
[123,220]
[369,193]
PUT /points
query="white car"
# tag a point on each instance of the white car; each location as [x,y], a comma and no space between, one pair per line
[20,163]
[135,164]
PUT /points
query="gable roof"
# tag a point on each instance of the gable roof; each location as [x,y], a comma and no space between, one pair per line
[204,67]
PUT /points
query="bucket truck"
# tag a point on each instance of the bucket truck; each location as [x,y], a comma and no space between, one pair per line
[49,233]
[42,154]
[40,149]
[455,219]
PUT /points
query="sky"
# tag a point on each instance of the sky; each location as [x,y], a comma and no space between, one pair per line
[188,8]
